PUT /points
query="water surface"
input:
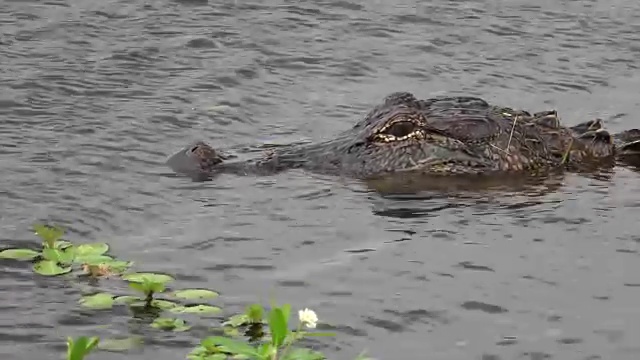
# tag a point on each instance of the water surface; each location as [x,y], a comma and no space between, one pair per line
[94,95]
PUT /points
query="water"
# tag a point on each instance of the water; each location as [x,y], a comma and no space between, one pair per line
[94,95]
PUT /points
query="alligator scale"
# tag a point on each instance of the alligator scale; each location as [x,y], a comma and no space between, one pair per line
[442,136]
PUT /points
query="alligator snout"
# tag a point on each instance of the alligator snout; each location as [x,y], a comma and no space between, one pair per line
[195,160]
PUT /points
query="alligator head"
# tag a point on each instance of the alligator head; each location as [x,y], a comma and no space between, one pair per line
[196,160]
[393,137]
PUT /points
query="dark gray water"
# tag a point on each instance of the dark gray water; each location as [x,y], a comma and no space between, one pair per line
[94,95]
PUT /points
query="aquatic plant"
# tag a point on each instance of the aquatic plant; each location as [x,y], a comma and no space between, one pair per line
[266,334]
[57,256]
[148,285]
[279,341]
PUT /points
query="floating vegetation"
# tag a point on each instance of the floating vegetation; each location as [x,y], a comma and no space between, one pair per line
[98,301]
[255,334]
[19,254]
[170,324]
[195,294]
[58,257]
[278,346]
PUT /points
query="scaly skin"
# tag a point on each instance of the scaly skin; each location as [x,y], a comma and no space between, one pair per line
[437,136]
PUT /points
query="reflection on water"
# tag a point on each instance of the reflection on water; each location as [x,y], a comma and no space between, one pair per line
[94,95]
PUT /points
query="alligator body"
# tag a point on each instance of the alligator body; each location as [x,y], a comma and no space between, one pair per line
[441,136]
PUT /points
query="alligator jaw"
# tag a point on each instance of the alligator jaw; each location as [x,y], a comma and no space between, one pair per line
[195,161]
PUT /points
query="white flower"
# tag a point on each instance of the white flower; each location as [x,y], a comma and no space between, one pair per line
[308,317]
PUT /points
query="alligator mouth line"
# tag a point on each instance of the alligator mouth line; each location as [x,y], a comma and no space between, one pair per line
[438,165]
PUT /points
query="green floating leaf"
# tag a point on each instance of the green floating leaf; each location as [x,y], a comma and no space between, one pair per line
[140,277]
[127,299]
[202,353]
[120,344]
[170,324]
[91,249]
[156,287]
[195,294]
[139,287]
[59,256]
[49,234]
[237,320]
[163,304]
[19,254]
[147,287]
[197,309]
[50,268]
[231,331]
[230,345]
[98,301]
[119,266]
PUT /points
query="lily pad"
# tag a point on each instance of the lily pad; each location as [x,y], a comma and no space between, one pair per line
[59,256]
[237,320]
[120,344]
[202,353]
[231,331]
[197,309]
[91,249]
[231,345]
[98,301]
[119,265]
[50,268]
[195,294]
[170,324]
[163,304]
[127,299]
[19,254]
[147,287]
[140,277]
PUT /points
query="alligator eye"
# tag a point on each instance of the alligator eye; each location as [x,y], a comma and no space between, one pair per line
[400,129]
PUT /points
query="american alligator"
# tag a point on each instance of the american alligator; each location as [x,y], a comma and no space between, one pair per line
[440,136]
